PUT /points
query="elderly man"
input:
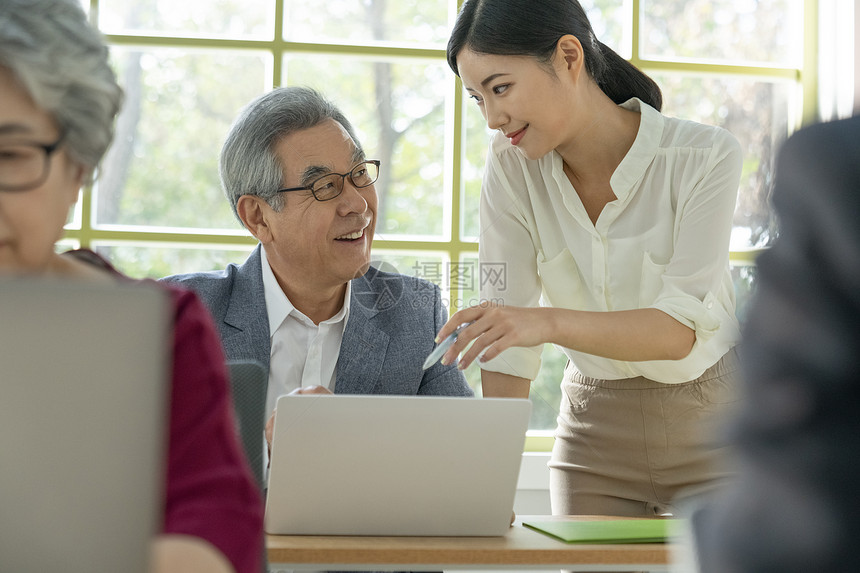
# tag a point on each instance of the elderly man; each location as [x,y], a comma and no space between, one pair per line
[306,302]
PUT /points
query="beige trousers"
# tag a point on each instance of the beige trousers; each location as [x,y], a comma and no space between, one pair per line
[632,447]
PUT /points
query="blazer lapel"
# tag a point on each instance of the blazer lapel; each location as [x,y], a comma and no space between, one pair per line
[246,313]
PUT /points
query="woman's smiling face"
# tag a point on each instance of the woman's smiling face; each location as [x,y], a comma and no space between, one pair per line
[520,97]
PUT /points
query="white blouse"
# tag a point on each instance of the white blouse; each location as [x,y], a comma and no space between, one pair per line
[663,243]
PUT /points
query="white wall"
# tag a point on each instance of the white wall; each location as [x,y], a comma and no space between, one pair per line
[532,497]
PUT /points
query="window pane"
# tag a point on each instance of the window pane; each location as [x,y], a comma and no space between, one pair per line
[476,140]
[467,296]
[465,279]
[367,22]
[744,279]
[240,19]
[757,113]
[73,220]
[471,276]
[163,167]
[156,260]
[545,393]
[737,31]
[398,111]
[612,23]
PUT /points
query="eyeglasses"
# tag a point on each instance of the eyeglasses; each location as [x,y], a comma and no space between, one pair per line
[330,186]
[25,165]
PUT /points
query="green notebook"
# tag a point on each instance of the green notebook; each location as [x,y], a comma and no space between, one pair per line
[607,530]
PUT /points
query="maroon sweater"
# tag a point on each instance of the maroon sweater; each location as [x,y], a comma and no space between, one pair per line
[210,492]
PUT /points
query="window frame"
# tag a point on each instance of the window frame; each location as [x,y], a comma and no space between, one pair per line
[452,243]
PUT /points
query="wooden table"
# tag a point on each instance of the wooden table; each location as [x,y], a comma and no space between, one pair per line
[520,548]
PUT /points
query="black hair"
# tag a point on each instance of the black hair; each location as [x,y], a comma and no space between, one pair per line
[533,28]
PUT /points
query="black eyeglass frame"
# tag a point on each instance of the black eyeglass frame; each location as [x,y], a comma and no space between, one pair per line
[343,176]
[49,150]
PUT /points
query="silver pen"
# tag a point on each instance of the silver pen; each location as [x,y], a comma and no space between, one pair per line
[443,347]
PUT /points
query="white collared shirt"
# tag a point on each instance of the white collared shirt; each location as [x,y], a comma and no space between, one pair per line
[663,243]
[302,353]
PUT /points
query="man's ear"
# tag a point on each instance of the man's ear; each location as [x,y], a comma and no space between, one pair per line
[253,211]
[570,56]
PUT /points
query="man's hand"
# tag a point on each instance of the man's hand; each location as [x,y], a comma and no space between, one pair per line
[270,425]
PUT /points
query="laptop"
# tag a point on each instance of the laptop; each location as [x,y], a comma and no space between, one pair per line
[395,465]
[82,424]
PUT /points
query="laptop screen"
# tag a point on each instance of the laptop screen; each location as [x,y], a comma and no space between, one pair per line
[395,465]
[81,424]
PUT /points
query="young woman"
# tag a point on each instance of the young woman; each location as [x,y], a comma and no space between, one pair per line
[619,219]
[58,101]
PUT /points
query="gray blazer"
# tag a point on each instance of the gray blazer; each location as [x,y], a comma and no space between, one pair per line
[392,321]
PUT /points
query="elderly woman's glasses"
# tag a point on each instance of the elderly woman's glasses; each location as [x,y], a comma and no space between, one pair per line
[330,186]
[25,165]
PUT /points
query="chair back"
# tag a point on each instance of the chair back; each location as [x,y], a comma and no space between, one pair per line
[249,381]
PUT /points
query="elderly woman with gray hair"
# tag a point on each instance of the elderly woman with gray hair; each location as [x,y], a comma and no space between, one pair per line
[58,102]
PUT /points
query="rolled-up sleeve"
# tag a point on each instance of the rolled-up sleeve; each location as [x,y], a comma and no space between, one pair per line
[693,278]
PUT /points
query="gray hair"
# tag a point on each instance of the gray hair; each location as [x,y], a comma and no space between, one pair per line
[62,62]
[249,164]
